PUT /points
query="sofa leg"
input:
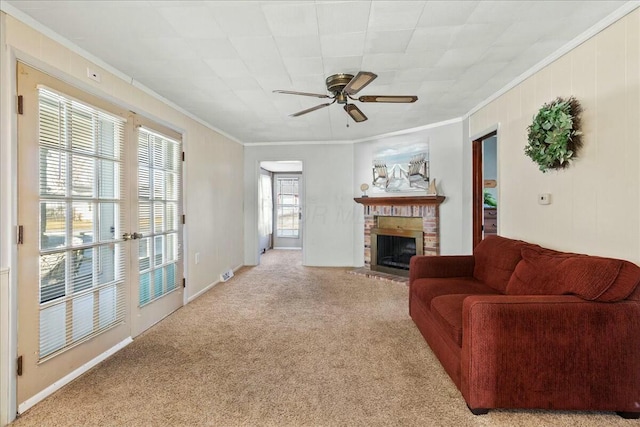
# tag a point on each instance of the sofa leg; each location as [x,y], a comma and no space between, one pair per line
[629,415]
[478,411]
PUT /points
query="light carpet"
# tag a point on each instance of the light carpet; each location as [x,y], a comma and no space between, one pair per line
[282,345]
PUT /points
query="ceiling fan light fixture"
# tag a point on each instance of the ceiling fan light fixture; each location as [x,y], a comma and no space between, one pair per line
[355,113]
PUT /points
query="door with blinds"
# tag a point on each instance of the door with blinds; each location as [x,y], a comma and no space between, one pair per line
[78,234]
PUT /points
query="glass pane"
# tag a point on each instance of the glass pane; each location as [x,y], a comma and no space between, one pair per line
[172,216]
[144,218]
[158,184]
[53,172]
[52,329]
[158,218]
[106,264]
[107,135]
[158,283]
[52,276]
[145,288]
[158,152]
[171,276]
[82,223]
[82,138]
[50,124]
[107,219]
[144,254]
[107,306]
[53,224]
[82,175]
[82,269]
[82,316]
[108,180]
[172,247]
[173,156]
[144,191]
[171,186]
[158,248]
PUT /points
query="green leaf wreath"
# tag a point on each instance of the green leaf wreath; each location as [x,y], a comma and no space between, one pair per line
[554,135]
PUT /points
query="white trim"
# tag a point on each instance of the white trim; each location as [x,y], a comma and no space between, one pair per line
[47,32]
[487,131]
[72,376]
[613,17]
[266,143]
[210,286]
[287,248]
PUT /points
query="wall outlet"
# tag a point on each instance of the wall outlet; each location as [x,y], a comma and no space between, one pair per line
[197,257]
[226,275]
[544,199]
[93,75]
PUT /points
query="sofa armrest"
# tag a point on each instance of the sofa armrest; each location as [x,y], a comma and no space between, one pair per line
[552,352]
[440,266]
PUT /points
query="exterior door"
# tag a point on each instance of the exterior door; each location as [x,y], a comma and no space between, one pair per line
[287,199]
[99,202]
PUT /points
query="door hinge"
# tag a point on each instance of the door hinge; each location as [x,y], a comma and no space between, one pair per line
[183,156]
[20,237]
[184,282]
[20,106]
[184,219]
[19,366]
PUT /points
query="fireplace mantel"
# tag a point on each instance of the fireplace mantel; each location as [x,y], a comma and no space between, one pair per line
[400,201]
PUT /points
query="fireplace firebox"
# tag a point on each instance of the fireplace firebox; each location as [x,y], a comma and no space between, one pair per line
[393,242]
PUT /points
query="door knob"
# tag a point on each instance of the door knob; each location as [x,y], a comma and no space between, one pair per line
[127,236]
[136,235]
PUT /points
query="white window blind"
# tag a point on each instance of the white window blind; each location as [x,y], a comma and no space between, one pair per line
[288,207]
[81,257]
[159,194]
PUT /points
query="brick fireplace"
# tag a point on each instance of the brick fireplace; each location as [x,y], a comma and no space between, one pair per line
[377,210]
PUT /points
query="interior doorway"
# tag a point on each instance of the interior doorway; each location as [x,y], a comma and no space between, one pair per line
[485,186]
[281,196]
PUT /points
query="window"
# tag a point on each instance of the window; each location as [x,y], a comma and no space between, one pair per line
[158,215]
[288,207]
[81,261]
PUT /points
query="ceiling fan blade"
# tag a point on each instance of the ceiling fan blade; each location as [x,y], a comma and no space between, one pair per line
[356,84]
[355,113]
[308,110]
[292,92]
[389,98]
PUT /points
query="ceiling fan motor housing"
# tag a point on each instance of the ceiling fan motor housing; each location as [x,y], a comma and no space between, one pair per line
[336,84]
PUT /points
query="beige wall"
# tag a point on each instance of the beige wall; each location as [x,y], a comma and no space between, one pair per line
[213,186]
[596,202]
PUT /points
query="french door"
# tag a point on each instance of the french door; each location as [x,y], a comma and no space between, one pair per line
[287,211]
[80,212]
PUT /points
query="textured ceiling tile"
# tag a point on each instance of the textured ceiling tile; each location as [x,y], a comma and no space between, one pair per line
[291,18]
[255,47]
[501,11]
[429,39]
[446,13]
[351,44]
[387,41]
[228,68]
[303,66]
[473,35]
[301,47]
[344,64]
[192,22]
[461,57]
[343,17]
[394,15]
[240,18]
[214,49]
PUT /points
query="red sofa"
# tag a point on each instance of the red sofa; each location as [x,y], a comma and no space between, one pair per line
[516,325]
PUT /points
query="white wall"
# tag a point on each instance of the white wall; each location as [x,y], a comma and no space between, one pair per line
[596,202]
[328,200]
[448,151]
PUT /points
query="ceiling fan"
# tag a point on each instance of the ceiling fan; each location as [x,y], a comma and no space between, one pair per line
[343,87]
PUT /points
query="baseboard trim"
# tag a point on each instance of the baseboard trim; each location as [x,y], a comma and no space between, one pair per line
[209,286]
[287,248]
[72,376]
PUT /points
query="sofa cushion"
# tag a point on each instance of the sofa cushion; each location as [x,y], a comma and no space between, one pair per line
[546,272]
[447,312]
[427,289]
[495,259]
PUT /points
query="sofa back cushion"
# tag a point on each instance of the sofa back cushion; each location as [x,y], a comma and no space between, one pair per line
[547,272]
[495,259]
